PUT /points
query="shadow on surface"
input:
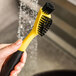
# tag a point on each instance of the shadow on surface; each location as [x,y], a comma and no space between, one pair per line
[58,73]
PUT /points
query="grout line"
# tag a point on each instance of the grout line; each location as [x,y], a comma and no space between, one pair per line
[61,43]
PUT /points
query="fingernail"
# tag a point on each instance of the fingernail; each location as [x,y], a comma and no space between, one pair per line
[19,42]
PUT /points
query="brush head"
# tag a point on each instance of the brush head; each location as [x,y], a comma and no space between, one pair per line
[44,25]
[48,8]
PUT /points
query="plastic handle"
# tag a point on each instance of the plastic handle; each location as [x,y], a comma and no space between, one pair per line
[10,64]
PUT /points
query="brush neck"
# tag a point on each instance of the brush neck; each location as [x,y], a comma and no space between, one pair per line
[27,41]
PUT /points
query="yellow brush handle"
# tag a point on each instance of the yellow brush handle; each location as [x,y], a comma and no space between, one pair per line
[27,41]
[34,31]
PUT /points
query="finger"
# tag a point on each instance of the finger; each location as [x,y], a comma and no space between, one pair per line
[22,62]
[3,45]
[19,66]
[13,73]
[18,71]
[11,48]
[23,58]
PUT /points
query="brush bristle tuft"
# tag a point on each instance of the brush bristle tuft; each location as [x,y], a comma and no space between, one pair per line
[44,25]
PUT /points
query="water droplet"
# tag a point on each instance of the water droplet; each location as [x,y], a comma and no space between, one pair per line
[27,18]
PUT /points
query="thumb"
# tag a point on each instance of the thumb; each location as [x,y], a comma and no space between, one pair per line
[10,49]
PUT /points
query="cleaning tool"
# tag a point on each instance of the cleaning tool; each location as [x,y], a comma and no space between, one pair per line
[41,26]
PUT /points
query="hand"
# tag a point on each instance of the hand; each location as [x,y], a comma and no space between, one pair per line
[6,50]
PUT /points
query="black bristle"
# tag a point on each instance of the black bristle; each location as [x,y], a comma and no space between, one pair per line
[48,8]
[44,25]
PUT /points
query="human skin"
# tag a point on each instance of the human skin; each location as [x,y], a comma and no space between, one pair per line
[6,50]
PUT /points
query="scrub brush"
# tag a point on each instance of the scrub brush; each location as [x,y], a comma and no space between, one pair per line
[41,26]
